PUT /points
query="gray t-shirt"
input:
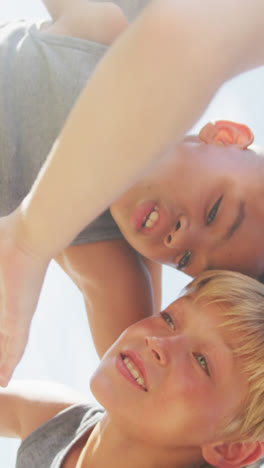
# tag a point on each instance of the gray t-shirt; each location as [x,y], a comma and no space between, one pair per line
[41,77]
[48,445]
[131,8]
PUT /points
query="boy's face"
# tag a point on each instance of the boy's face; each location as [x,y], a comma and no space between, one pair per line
[199,208]
[172,379]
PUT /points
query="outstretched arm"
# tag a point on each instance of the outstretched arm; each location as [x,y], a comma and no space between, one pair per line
[26,405]
[134,110]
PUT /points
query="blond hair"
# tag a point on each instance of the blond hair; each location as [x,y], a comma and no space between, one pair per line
[242,301]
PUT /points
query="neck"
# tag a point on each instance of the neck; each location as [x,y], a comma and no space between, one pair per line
[108,446]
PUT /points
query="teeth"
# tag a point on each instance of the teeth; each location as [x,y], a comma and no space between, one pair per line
[141,381]
[134,372]
[151,218]
[148,223]
[154,215]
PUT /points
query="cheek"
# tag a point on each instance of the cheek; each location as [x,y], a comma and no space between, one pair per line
[123,205]
[235,257]
[153,249]
[180,389]
[189,391]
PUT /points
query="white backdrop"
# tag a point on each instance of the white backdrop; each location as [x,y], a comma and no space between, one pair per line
[60,333]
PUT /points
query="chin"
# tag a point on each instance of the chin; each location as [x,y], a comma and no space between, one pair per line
[102,388]
[97,385]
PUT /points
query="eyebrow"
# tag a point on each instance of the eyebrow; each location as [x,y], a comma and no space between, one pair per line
[235,225]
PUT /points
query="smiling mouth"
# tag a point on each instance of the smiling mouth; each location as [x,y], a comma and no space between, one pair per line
[134,371]
[151,218]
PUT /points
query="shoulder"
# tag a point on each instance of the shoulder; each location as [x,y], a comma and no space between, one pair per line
[35,402]
[98,22]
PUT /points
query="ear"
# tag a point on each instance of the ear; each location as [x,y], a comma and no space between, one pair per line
[233,454]
[226,133]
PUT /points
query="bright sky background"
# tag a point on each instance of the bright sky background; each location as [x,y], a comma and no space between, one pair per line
[59,333]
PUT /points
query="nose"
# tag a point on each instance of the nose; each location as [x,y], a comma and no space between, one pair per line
[188,233]
[177,233]
[158,348]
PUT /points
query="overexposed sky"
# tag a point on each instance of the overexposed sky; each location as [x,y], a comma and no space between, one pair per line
[59,333]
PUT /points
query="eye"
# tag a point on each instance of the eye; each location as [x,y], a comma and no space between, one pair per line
[168,319]
[213,212]
[202,362]
[184,260]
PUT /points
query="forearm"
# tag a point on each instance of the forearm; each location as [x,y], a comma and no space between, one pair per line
[132,110]
[155,271]
[116,287]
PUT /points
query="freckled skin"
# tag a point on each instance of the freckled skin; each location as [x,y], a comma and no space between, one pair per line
[182,395]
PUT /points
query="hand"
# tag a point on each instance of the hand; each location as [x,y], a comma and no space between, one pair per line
[21,278]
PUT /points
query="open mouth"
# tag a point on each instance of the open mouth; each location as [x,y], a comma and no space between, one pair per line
[145,216]
[134,371]
[151,218]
